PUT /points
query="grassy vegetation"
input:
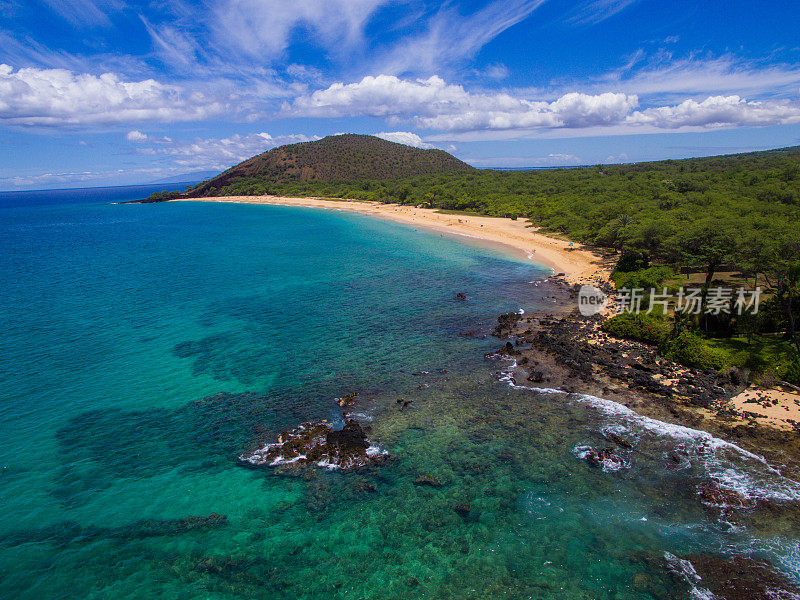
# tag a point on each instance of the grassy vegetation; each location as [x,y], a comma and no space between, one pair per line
[637,326]
[690,349]
[649,278]
[768,355]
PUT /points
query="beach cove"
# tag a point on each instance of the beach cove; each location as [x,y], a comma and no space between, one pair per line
[772,409]
[575,264]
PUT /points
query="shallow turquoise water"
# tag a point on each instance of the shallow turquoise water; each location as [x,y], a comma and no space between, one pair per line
[144,346]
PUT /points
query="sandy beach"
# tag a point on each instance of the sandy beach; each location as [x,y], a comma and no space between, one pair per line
[775,408]
[577,264]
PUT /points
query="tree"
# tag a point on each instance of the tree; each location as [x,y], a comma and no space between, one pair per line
[709,243]
[777,257]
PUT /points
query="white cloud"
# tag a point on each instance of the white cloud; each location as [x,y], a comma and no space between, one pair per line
[136,136]
[436,105]
[558,158]
[719,111]
[167,157]
[58,97]
[261,29]
[494,71]
[70,178]
[236,37]
[595,11]
[663,76]
[450,37]
[521,162]
[218,153]
[174,45]
[381,96]
[240,33]
[433,104]
[86,12]
[404,137]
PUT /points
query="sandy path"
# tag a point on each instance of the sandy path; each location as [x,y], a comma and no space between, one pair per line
[578,265]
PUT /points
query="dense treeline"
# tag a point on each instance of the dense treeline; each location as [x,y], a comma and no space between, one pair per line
[706,213]
[161,197]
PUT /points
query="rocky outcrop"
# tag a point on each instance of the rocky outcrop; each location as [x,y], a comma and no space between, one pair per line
[739,578]
[347,399]
[586,355]
[603,458]
[617,439]
[320,445]
[425,479]
[712,493]
[506,323]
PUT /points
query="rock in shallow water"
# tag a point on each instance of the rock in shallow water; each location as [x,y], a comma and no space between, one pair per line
[427,479]
[603,458]
[462,510]
[712,493]
[733,578]
[318,444]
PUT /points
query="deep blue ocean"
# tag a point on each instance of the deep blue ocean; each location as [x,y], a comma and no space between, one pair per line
[143,347]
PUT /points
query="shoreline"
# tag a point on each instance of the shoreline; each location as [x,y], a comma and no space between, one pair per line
[569,353]
[573,263]
[773,409]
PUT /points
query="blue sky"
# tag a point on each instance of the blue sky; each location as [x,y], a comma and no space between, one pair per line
[112,92]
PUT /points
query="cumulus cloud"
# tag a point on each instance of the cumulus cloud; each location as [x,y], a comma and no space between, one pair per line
[219,153]
[58,97]
[433,104]
[404,137]
[719,111]
[136,136]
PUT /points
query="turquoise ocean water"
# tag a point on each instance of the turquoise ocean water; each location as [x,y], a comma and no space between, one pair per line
[144,346]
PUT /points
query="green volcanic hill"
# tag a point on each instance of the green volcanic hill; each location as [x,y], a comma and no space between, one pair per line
[337,158]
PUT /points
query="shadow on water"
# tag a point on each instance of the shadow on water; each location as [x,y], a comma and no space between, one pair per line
[98,447]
